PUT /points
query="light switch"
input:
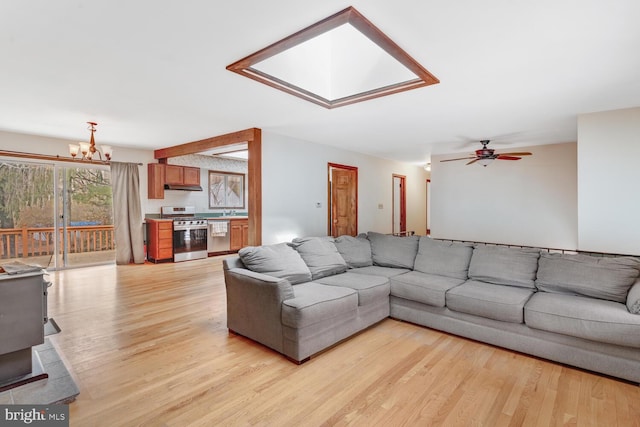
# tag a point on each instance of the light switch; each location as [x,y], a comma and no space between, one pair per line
[380,206]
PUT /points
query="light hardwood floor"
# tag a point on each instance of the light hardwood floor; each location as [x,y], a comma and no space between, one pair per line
[148,345]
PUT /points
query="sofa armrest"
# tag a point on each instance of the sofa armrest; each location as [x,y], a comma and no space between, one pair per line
[232,262]
[633,298]
[254,305]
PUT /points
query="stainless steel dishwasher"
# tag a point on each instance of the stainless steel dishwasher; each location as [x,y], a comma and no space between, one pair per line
[218,235]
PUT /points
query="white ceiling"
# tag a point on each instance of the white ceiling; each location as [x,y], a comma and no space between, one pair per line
[152,73]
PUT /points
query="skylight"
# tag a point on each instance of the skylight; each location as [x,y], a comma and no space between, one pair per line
[338,61]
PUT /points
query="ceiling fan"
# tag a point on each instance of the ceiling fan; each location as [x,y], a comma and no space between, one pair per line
[485,156]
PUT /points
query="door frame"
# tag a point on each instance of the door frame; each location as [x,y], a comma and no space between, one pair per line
[329,207]
[428,206]
[403,203]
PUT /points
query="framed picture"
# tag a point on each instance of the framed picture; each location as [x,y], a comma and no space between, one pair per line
[226,190]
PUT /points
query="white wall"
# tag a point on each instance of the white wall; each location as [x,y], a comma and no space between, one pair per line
[609,181]
[294,178]
[530,202]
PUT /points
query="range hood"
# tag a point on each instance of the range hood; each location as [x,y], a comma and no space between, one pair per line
[182,187]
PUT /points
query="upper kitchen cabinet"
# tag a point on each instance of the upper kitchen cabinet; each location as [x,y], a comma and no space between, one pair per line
[191,175]
[174,174]
[155,178]
[182,175]
[161,174]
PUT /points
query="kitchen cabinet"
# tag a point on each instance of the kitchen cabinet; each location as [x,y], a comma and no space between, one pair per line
[239,234]
[160,174]
[182,175]
[191,176]
[174,174]
[155,180]
[160,240]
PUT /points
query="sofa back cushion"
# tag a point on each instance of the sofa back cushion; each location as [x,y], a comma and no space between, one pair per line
[320,255]
[608,278]
[449,259]
[356,251]
[504,266]
[279,260]
[393,251]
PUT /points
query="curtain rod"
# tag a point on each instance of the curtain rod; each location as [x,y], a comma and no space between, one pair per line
[55,158]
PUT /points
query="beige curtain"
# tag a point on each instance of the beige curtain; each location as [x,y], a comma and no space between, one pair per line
[127,213]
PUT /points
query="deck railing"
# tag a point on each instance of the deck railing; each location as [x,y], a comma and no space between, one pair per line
[34,241]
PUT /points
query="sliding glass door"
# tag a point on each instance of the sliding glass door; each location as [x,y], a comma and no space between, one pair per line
[55,216]
[84,216]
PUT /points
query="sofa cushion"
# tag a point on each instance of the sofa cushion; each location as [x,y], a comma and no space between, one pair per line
[313,303]
[356,251]
[607,278]
[370,289]
[450,259]
[488,300]
[279,260]
[504,266]
[633,298]
[320,255]
[376,270]
[393,251]
[583,317]
[425,288]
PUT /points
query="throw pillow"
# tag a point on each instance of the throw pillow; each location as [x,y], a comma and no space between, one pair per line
[449,259]
[356,251]
[279,260]
[321,256]
[607,278]
[504,266]
[393,251]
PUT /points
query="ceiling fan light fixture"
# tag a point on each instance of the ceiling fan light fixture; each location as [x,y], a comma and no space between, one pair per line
[485,155]
[485,162]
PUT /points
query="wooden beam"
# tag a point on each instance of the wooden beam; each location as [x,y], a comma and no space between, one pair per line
[255,188]
[205,144]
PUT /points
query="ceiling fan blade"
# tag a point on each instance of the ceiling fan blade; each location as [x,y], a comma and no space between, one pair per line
[473,161]
[515,154]
[460,158]
[503,157]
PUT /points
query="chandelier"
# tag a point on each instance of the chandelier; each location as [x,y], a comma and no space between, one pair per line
[89,149]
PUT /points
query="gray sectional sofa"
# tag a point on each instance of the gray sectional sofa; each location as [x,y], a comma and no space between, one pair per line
[302,297]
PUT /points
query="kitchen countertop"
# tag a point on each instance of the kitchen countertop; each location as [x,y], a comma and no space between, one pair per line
[218,218]
[202,215]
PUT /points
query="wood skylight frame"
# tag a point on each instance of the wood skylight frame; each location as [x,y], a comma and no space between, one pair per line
[350,16]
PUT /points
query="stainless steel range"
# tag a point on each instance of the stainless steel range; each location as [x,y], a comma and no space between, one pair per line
[189,232]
